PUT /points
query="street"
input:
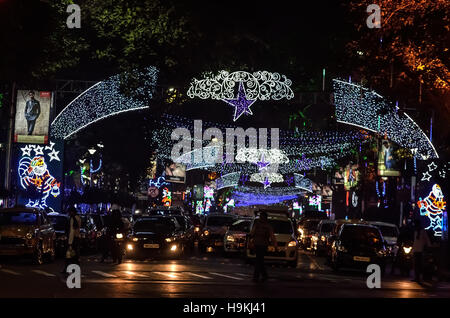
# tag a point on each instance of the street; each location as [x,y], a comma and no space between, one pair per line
[203,276]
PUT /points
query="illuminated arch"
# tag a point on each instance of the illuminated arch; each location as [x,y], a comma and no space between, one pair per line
[360,107]
[98,102]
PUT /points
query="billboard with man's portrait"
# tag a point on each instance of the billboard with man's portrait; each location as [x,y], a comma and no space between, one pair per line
[387,160]
[32,116]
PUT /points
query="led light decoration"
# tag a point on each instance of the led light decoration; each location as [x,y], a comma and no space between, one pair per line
[316,200]
[98,102]
[246,199]
[433,206]
[166,197]
[261,85]
[302,182]
[266,178]
[158,182]
[261,157]
[34,175]
[274,191]
[208,198]
[358,106]
[228,180]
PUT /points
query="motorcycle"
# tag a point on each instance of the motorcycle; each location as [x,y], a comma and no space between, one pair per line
[404,259]
[118,248]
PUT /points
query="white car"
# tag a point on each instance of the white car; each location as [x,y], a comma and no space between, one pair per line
[286,240]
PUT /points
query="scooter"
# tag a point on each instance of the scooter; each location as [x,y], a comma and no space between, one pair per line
[118,248]
[404,259]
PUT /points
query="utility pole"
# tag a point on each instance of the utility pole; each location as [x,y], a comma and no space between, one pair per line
[9,141]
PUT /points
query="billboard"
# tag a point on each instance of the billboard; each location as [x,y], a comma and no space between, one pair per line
[39,175]
[351,176]
[32,116]
[387,161]
[175,172]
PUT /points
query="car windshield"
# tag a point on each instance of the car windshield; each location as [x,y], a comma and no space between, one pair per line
[311,225]
[181,220]
[60,223]
[327,227]
[389,231]
[240,226]
[361,234]
[11,218]
[281,227]
[157,225]
[219,221]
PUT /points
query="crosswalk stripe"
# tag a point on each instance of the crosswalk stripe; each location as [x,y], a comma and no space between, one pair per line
[10,272]
[103,274]
[198,275]
[245,275]
[136,274]
[43,273]
[171,275]
[227,276]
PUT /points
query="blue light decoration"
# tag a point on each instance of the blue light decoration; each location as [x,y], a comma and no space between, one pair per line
[260,85]
[39,175]
[246,199]
[361,107]
[101,101]
[382,196]
[433,207]
[158,182]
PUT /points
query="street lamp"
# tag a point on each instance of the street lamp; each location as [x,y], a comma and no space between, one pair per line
[92,150]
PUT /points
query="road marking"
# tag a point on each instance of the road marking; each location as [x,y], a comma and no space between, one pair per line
[10,272]
[198,275]
[314,261]
[171,275]
[103,274]
[245,275]
[223,275]
[135,274]
[37,271]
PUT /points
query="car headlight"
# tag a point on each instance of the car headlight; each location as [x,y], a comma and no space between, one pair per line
[130,247]
[407,249]
[292,244]
[323,238]
[29,236]
[173,248]
[169,239]
[230,238]
[197,229]
[119,235]
[135,239]
[342,249]
[206,232]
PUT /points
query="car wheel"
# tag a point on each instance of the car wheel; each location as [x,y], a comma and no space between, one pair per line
[38,256]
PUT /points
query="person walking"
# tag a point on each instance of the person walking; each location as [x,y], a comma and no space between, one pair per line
[73,249]
[261,236]
[421,241]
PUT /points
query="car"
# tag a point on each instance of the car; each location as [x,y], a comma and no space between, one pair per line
[332,237]
[60,223]
[306,229]
[320,238]
[285,235]
[358,245]
[188,229]
[88,233]
[27,232]
[236,236]
[155,236]
[214,228]
[197,222]
[389,231]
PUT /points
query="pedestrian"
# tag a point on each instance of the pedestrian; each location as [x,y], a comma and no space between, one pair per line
[421,241]
[261,236]
[73,248]
[116,225]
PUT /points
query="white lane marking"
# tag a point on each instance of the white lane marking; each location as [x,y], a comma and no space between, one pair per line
[245,275]
[198,275]
[227,276]
[135,274]
[103,274]
[10,272]
[171,275]
[37,271]
[314,262]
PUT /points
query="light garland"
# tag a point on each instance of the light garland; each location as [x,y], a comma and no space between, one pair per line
[266,178]
[228,180]
[357,106]
[98,102]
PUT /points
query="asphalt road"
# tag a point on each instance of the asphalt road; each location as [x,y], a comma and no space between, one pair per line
[203,275]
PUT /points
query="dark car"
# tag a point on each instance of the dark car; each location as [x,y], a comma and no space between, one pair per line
[358,245]
[155,236]
[306,229]
[61,225]
[26,232]
[214,230]
[236,236]
[320,239]
[188,229]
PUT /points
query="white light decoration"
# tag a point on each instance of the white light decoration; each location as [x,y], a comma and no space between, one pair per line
[276,191]
[98,102]
[53,155]
[266,178]
[228,180]
[360,107]
[260,85]
[302,182]
[426,177]
[255,155]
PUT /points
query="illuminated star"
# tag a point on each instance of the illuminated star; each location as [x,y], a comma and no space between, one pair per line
[38,150]
[426,176]
[50,147]
[241,103]
[442,174]
[266,182]
[26,151]
[262,165]
[432,166]
[53,155]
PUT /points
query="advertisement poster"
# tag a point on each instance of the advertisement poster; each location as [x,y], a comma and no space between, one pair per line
[175,172]
[32,116]
[387,162]
[39,175]
[351,176]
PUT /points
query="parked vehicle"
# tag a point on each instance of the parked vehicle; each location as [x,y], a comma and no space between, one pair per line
[27,232]
[390,234]
[214,229]
[319,240]
[188,230]
[286,240]
[306,229]
[358,245]
[236,236]
[60,223]
[155,236]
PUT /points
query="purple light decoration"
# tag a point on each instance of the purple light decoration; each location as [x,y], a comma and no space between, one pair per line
[266,183]
[246,199]
[262,165]
[241,103]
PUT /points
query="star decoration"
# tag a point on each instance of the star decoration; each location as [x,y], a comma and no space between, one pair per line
[50,147]
[26,151]
[442,174]
[262,165]
[426,176]
[241,103]
[266,182]
[53,155]
[432,166]
[38,150]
